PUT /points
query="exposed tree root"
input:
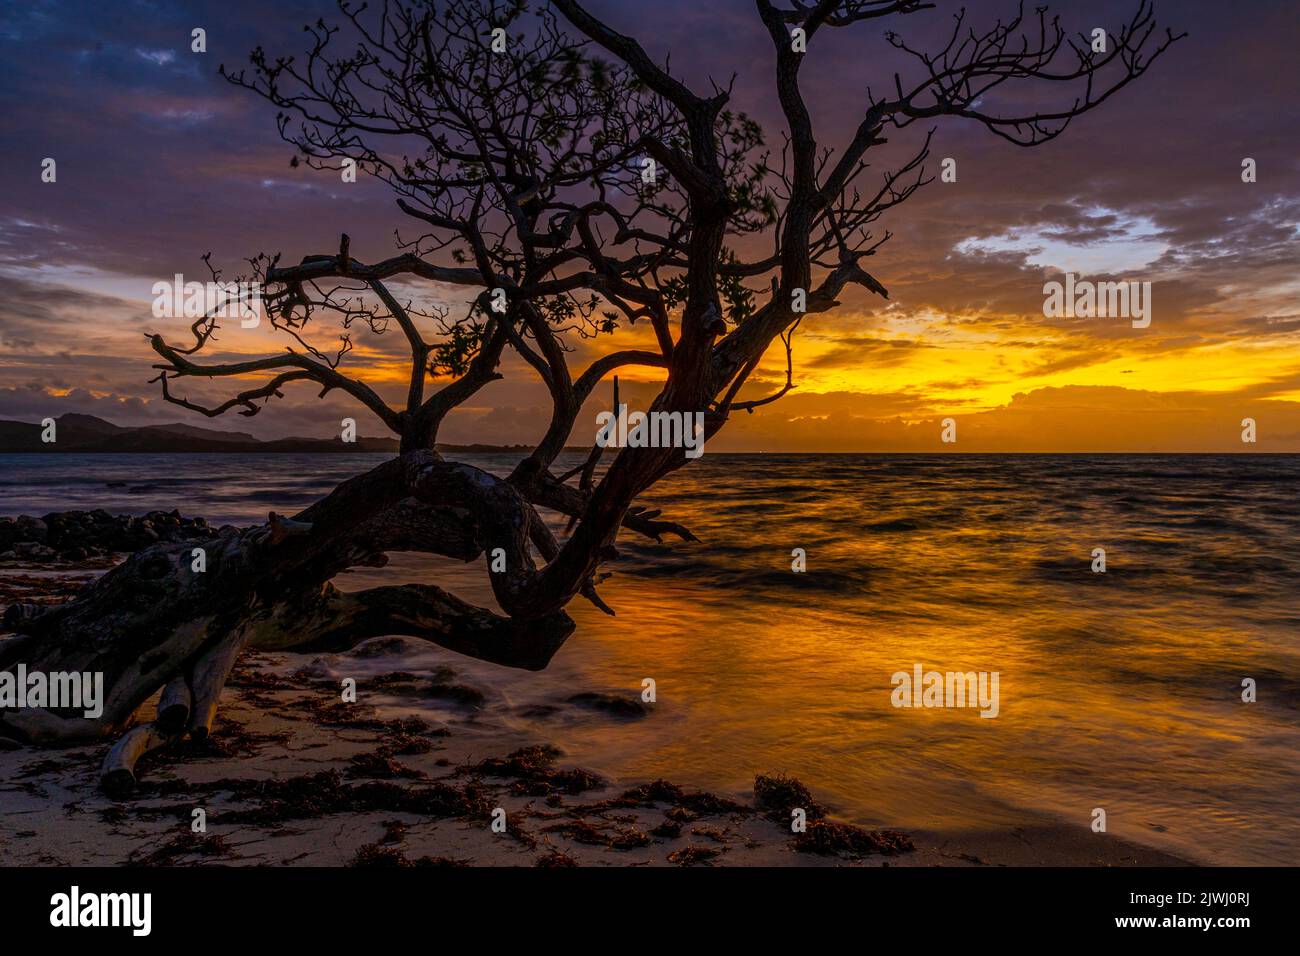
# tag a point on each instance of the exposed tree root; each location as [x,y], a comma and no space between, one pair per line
[154,624]
[334,620]
[117,774]
[175,705]
[210,673]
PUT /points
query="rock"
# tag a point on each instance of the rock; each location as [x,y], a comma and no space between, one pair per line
[81,534]
[33,529]
[16,614]
[629,708]
[35,551]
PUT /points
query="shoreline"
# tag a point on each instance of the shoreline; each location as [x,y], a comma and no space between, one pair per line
[294,776]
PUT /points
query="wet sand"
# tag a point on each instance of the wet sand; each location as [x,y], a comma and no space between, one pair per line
[293,775]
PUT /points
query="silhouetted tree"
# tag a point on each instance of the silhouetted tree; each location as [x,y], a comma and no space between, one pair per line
[569,185]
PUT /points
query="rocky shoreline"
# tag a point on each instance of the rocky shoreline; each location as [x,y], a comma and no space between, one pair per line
[74,536]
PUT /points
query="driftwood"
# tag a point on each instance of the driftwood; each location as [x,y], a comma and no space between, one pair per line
[187,705]
[210,673]
[174,706]
[152,624]
[117,774]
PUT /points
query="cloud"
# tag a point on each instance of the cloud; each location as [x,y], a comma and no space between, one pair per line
[1070,419]
[853,350]
[160,160]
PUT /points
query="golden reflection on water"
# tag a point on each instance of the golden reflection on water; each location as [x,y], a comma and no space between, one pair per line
[1117,690]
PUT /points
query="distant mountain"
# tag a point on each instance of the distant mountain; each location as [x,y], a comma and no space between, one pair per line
[194,431]
[88,434]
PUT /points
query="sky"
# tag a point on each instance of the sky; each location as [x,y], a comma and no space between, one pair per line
[159,161]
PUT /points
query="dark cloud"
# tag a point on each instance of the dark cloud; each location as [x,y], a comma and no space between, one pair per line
[859,349]
[160,160]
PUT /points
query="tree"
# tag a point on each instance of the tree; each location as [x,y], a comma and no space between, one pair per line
[570,186]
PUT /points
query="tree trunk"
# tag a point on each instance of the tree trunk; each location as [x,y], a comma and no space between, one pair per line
[153,622]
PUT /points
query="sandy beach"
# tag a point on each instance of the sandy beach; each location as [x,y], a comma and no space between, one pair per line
[294,775]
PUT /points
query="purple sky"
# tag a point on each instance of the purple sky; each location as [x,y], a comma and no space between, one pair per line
[160,160]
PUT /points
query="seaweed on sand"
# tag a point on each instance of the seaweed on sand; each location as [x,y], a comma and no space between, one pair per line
[777,794]
[648,794]
[668,830]
[187,844]
[534,775]
[310,796]
[693,856]
[373,854]
[381,766]
[827,838]
[556,858]
[716,834]
[394,832]
[335,713]
[613,838]
[685,805]
[711,805]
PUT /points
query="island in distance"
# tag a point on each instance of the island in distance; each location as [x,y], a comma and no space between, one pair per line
[85,434]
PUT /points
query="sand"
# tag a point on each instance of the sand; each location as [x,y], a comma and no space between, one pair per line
[295,776]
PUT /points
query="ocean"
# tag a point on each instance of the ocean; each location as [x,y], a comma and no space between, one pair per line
[1119,690]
